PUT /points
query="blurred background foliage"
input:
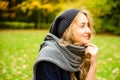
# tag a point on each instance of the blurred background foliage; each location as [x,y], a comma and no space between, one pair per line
[39,14]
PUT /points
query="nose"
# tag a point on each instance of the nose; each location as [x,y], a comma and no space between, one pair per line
[88,30]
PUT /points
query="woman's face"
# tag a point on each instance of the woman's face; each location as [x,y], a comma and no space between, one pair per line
[81,31]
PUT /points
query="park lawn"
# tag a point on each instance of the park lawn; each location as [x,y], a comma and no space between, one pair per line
[19,49]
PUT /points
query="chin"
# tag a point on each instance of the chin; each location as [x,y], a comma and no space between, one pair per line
[84,43]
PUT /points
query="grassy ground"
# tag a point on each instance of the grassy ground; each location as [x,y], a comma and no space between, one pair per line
[19,48]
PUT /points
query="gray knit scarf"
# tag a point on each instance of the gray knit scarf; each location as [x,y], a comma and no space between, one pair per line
[68,58]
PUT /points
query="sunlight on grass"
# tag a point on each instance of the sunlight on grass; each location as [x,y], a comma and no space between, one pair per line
[109,57]
[19,49]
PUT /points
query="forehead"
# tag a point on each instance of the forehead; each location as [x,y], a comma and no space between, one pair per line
[81,18]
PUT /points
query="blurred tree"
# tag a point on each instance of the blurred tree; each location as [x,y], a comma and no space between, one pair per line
[3,9]
[7,9]
[39,12]
[106,13]
[108,19]
[113,17]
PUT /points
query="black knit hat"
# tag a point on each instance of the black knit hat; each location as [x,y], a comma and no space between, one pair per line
[62,22]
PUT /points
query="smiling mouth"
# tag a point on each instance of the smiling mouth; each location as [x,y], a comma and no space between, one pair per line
[88,36]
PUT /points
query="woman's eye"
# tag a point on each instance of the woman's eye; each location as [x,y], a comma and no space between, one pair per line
[82,26]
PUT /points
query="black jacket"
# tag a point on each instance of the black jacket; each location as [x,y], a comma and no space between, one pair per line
[49,71]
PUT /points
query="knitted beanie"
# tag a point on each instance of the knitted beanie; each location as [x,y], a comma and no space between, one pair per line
[62,22]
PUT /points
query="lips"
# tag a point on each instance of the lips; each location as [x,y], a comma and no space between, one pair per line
[86,36]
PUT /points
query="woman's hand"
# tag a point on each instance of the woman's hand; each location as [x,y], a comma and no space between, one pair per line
[92,50]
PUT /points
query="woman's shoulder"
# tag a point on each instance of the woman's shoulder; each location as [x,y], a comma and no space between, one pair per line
[51,70]
[50,66]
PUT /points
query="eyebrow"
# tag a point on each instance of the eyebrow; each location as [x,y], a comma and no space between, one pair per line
[84,23]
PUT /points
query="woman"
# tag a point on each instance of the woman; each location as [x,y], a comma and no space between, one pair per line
[66,53]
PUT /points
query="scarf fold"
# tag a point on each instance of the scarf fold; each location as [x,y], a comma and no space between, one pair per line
[68,58]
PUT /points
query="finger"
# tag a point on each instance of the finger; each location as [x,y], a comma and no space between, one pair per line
[92,45]
[89,44]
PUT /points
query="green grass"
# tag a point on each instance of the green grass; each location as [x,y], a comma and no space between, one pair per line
[108,57]
[19,49]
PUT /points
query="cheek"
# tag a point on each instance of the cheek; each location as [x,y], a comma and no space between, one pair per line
[77,34]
